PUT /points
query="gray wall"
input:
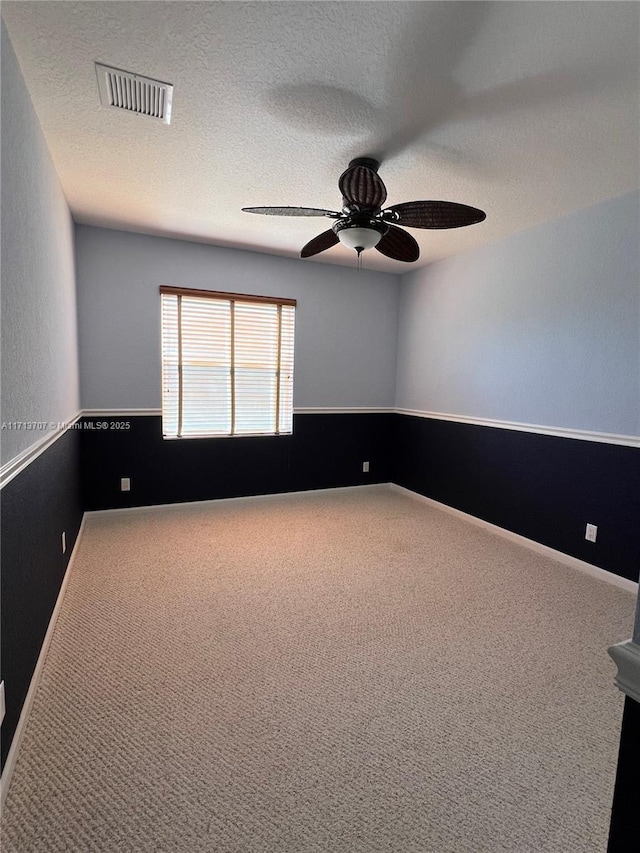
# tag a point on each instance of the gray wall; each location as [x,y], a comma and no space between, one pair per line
[539,328]
[346,320]
[39,334]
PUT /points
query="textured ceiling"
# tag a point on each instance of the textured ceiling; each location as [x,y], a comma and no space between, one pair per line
[527,110]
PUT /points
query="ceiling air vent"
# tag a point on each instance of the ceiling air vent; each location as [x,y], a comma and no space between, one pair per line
[143,96]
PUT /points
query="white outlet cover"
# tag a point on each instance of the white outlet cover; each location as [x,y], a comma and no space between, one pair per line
[125,484]
[2,705]
[64,542]
[591,532]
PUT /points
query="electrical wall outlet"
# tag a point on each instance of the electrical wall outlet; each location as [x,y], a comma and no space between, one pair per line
[2,706]
[591,533]
[64,542]
[125,484]
[365,467]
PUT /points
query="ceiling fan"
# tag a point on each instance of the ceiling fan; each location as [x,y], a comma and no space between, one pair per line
[362,224]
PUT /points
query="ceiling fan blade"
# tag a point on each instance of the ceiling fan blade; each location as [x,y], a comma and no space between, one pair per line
[399,245]
[362,186]
[291,211]
[323,241]
[436,214]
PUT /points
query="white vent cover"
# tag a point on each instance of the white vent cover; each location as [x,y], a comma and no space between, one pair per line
[143,96]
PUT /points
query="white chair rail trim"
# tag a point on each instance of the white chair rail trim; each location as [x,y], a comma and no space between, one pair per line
[55,429]
[561,432]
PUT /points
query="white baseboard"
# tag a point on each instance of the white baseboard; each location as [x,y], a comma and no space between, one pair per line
[155,507]
[531,544]
[10,763]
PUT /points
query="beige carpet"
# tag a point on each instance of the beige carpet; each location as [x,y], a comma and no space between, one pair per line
[338,672]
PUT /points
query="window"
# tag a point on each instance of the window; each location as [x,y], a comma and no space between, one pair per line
[227,364]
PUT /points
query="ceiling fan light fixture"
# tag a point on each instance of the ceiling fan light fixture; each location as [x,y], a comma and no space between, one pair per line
[359,238]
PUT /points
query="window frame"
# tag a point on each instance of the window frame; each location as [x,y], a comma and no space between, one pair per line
[227,296]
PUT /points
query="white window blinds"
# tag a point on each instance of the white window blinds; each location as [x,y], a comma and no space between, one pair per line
[227,364]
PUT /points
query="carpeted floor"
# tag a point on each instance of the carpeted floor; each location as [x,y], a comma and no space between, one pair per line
[338,672]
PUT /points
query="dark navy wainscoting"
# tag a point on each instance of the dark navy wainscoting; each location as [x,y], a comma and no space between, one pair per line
[543,487]
[624,832]
[324,451]
[37,505]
